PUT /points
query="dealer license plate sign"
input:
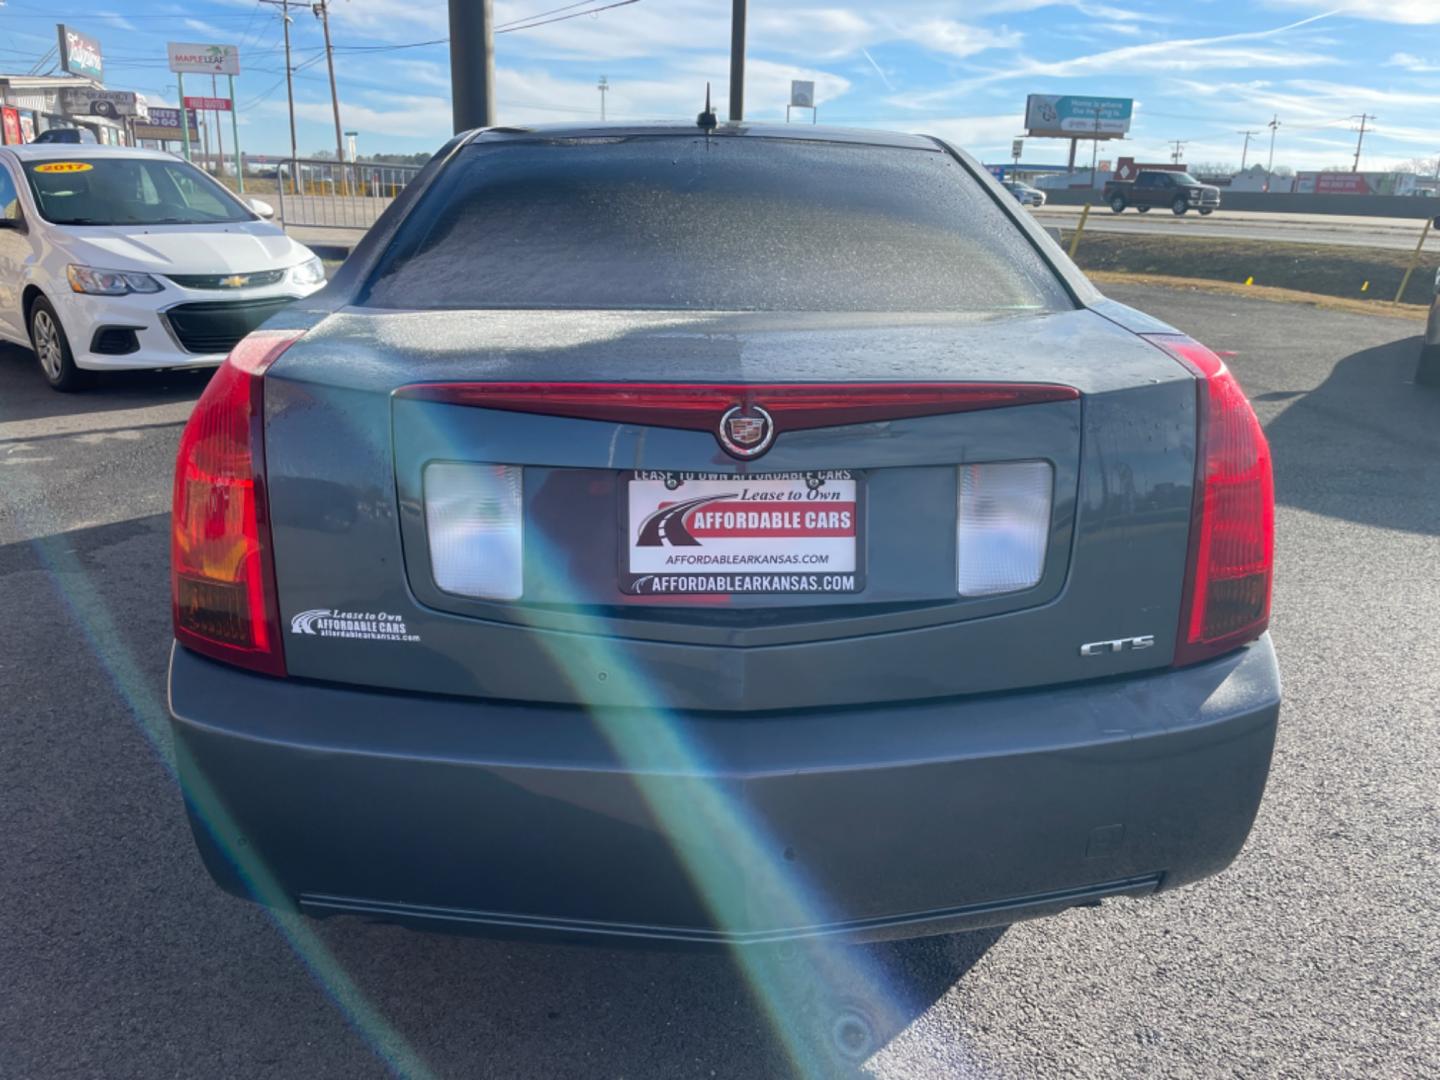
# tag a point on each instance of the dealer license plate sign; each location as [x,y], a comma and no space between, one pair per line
[711,533]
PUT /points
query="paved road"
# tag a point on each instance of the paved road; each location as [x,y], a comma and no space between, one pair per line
[1400,234]
[1317,954]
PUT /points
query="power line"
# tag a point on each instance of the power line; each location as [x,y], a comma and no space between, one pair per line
[508,28]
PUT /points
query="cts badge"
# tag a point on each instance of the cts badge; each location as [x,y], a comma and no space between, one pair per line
[1124,644]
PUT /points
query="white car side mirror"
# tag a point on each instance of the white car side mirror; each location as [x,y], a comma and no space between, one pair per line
[261,207]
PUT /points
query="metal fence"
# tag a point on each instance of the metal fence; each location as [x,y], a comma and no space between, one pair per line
[327,194]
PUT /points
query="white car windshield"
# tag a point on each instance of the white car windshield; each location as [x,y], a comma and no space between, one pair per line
[129,191]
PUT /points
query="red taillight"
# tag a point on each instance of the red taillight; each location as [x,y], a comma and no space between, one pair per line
[222,577]
[699,406]
[1226,601]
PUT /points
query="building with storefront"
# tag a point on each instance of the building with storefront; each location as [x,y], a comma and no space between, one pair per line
[33,104]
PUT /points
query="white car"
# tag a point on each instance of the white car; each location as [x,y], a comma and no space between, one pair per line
[115,258]
[1027,195]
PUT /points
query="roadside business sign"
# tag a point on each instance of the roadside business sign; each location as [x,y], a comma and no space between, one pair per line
[1127,168]
[80,54]
[164,125]
[1072,116]
[12,125]
[208,104]
[186,57]
[802,94]
[87,101]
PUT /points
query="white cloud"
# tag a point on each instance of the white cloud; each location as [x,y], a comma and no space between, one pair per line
[1413,12]
[1411,62]
[1224,52]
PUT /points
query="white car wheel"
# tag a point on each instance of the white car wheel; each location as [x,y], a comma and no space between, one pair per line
[52,349]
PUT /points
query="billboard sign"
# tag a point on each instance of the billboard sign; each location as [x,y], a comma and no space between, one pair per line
[1072,116]
[802,94]
[208,104]
[80,54]
[1354,183]
[203,59]
[85,101]
[164,124]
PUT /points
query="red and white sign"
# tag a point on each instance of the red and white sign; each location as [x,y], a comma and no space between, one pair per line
[1341,184]
[12,124]
[208,104]
[711,533]
[1127,168]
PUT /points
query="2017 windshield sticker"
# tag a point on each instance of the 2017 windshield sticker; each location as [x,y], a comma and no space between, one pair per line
[64,166]
[356,625]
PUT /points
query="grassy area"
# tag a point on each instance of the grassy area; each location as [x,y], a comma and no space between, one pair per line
[1329,270]
[1263,292]
[254,185]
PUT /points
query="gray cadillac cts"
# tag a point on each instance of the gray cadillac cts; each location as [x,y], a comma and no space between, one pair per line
[718,535]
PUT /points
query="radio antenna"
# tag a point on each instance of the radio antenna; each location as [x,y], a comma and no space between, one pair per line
[707,119]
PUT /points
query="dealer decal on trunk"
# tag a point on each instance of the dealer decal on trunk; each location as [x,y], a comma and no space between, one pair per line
[717,533]
[356,625]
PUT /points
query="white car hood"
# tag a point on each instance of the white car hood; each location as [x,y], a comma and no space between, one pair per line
[236,247]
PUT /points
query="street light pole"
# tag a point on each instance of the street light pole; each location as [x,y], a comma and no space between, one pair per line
[472,64]
[737,60]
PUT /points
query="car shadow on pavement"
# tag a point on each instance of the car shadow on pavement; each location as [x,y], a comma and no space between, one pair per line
[106,892]
[1364,445]
[526,1008]
[24,394]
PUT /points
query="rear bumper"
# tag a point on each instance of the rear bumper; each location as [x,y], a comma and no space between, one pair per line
[894,820]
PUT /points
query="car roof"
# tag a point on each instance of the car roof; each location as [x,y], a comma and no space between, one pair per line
[725,129]
[81,151]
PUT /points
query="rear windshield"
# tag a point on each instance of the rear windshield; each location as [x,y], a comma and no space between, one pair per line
[736,224]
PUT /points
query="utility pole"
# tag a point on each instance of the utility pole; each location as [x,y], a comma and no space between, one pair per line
[322,12]
[737,60]
[1179,145]
[219,129]
[1270,164]
[1245,151]
[472,64]
[1363,117]
[603,85]
[284,6]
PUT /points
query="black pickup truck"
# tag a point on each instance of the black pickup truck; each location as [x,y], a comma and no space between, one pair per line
[1155,187]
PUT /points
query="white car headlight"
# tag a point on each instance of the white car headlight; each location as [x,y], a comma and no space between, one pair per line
[89,279]
[310,272]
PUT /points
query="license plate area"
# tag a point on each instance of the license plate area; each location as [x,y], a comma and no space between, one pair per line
[708,534]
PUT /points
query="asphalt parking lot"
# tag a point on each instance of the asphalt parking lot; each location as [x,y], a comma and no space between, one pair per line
[1317,954]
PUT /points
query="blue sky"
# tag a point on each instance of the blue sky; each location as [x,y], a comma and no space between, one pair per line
[1200,70]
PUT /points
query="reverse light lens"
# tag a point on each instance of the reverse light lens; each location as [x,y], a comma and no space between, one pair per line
[223,580]
[1226,601]
[1004,526]
[473,520]
[88,279]
[310,272]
